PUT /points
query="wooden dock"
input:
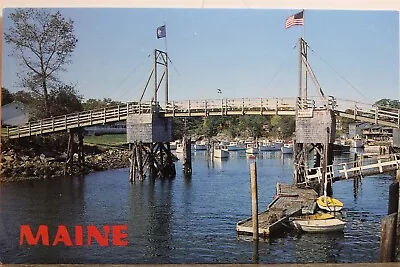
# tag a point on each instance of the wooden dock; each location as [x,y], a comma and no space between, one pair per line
[288,201]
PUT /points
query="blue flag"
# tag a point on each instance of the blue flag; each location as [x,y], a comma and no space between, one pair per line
[161,32]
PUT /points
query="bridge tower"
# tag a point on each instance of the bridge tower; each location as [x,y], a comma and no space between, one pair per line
[315,127]
[149,134]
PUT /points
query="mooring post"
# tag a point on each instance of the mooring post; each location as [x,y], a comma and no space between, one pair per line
[254,199]
[132,163]
[139,154]
[388,238]
[69,152]
[81,154]
[187,156]
[393,205]
[151,159]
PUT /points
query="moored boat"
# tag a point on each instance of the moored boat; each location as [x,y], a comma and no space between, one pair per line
[318,225]
[200,146]
[329,203]
[179,148]
[252,149]
[357,143]
[172,145]
[287,148]
[221,152]
[233,146]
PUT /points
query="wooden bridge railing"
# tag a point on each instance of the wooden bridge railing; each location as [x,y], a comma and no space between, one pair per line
[213,107]
[361,167]
[384,116]
[75,120]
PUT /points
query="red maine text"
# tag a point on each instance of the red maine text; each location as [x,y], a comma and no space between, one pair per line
[119,235]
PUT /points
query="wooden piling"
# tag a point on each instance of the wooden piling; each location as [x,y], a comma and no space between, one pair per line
[254,199]
[151,161]
[132,166]
[388,238]
[81,154]
[187,156]
[139,155]
[393,204]
[256,257]
[69,152]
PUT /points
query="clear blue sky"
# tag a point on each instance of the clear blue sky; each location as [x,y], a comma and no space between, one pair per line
[244,52]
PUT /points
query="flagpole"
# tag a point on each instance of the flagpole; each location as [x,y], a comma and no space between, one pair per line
[165,39]
[166,66]
[304,26]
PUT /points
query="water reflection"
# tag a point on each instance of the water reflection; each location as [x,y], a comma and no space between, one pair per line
[186,220]
[54,201]
[318,247]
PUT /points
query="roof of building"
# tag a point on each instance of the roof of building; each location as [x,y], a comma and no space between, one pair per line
[14,114]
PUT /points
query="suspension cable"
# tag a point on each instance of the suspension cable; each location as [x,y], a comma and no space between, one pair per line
[337,73]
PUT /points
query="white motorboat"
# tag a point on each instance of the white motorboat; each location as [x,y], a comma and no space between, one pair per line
[252,149]
[221,151]
[233,146]
[200,146]
[172,145]
[357,143]
[287,148]
[270,146]
[179,148]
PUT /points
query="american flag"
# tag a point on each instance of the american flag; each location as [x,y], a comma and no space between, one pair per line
[296,19]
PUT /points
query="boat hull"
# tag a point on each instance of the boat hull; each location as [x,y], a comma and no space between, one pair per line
[333,204]
[252,150]
[319,226]
[287,149]
[200,147]
[219,153]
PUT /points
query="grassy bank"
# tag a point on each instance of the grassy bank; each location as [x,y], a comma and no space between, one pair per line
[106,140]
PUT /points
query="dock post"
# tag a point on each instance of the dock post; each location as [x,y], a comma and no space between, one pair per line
[254,199]
[81,153]
[187,156]
[132,163]
[139,155]
[393,205]
[388,238]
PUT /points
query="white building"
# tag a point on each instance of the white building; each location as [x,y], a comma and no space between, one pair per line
[14,114]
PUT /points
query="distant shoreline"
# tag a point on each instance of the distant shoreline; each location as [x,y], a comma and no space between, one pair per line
[16,167]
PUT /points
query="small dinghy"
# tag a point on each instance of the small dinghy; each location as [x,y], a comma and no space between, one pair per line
[329,203]
[318,223]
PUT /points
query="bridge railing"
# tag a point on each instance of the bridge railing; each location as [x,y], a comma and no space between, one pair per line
[230,104]
[360,167]
[80,119]
[373,112]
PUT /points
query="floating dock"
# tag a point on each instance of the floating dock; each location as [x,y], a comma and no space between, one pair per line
[288,201]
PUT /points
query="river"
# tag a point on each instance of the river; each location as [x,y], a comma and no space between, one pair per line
[185,220]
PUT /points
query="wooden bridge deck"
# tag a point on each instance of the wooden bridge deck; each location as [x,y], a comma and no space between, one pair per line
[192,108]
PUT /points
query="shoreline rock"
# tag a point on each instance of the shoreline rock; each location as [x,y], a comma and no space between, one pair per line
[23,167]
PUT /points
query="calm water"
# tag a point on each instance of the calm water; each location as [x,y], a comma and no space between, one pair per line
[185,221]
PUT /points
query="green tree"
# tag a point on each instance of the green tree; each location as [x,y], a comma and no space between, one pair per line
[6,96]
[42,44]
[65,99]
[287,126]
[391,103]
[93,103]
